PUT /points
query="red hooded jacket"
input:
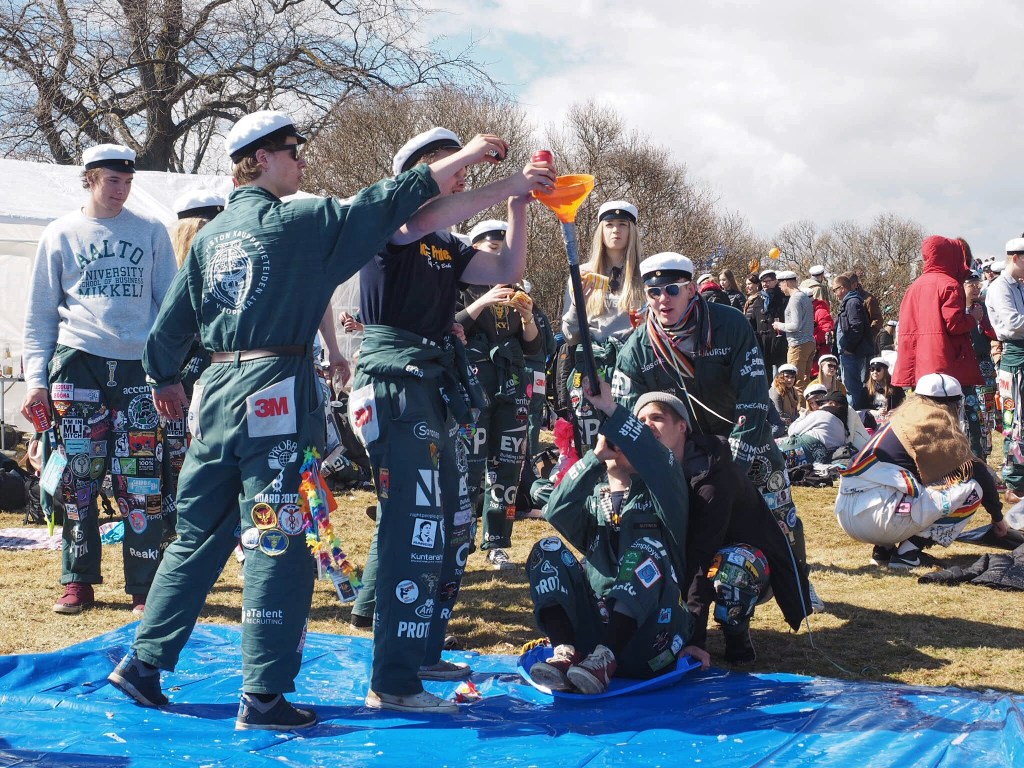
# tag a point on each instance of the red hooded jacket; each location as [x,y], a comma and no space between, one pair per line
[935,329]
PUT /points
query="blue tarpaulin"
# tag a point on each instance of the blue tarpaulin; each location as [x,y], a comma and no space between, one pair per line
[57,709]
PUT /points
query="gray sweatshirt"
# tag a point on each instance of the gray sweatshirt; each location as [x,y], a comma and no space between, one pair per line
[611,322]
[799,319]
[96,286]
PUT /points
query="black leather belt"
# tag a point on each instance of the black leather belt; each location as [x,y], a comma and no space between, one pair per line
[244,355]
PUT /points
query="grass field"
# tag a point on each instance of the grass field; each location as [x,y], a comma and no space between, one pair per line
[879,625]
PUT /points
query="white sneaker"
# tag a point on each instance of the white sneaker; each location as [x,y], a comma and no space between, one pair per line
[424,702]
[499,560]
[445,670]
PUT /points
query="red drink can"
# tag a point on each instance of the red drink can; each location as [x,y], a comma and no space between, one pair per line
[542,156]
[40,416]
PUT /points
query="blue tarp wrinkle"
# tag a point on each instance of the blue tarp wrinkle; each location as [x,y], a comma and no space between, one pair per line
[57,709]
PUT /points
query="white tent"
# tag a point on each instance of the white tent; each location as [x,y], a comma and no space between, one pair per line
[34,194]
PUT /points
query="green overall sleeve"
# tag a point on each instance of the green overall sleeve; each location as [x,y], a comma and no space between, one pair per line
[658,468]
[568,508]
[173,333]
[746,379]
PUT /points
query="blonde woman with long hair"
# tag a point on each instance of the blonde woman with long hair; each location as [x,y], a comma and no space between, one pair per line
[614,290]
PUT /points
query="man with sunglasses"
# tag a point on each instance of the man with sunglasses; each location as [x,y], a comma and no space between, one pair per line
[255,286]
[706,354]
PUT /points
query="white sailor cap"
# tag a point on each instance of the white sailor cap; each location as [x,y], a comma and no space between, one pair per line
[817,270]
[891,323]
[665,398]
[828,357]
[766,272]
[423,144]
[488,229]
[817,389]
[117,157]
[879,361]
[998,266]
[702,278]
[788,368]
[664,268]
[1014,247]
[259,129]
[787,274]
[938,385]
[618,209]
[199,202]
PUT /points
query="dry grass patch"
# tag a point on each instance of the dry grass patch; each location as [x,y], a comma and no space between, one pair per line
[879,626]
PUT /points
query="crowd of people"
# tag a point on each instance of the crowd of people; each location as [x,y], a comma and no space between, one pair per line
[194,386]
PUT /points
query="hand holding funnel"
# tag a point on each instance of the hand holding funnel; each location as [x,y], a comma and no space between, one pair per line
[565,199]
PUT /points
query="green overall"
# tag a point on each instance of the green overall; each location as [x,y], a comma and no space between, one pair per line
[635,556]
[105,420]
[258,277]
[410,397]
[730,381]
[537,381]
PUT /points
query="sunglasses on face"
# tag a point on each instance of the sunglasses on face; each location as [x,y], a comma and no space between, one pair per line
[875,368]
[672,289]
[293,148]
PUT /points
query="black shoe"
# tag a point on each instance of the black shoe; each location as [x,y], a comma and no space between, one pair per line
[738,647]
[881,555]
[274,715]
[361,622]
[906,561]
[135,679]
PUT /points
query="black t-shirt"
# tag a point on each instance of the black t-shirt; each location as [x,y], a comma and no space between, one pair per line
[414,287]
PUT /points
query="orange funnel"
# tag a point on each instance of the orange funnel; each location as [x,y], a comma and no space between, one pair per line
[567,196]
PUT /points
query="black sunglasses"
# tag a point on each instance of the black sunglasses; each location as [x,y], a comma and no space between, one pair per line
[672,289]
[293,148]
[877,368]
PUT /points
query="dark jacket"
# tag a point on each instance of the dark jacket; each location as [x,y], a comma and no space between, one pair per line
[853,327]
[726,508]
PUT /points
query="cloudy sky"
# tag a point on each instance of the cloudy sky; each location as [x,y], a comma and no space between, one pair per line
[791,110]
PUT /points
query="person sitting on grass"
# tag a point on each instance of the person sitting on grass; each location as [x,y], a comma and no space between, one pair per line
[625,505]
[916,482]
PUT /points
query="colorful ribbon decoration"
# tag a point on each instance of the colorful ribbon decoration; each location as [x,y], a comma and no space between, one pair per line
[321,538]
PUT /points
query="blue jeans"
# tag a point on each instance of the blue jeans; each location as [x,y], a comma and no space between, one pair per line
[855,373]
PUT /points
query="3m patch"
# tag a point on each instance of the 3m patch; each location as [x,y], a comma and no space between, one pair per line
[271,411]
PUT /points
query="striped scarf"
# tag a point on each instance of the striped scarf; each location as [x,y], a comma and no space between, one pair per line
[668,343]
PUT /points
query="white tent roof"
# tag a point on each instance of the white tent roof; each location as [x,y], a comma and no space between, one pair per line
[34,194]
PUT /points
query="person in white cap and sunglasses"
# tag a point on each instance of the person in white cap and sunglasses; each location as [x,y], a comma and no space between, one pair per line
[99,276]
[916,482]
[255,286]
[706,354]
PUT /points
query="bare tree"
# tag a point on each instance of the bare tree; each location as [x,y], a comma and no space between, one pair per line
[163,76]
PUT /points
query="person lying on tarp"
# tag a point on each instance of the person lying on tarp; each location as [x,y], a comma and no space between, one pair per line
[916,482]
[625,505]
